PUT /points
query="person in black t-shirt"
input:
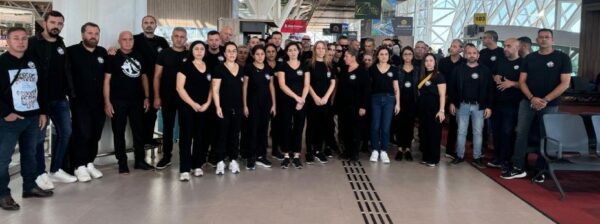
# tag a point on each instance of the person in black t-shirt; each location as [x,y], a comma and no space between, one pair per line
[271,61]
[446,66]
[322,83]
[431,100]
[193,87]
[259,105]
[545,75]
[294,82]
[351,101]
[470,95]
[404,122]
[277,40]
[385,103]
[165,98]
[420,50]
[214,56]
[88,66]
[227,83]
[506,103]
[490,56]
[126,93]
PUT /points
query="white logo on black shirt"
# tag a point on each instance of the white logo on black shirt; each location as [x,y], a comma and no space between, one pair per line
[267,76]
[280,60]
[493,58]
[184,60]
[24,89]
[159,49]
[407,84]
[328,75]
[550,64]
[475,76]
[221,59]
[299,72]
[516,67]
[242,79]
[100,60]
[352,77]
[130,69]
[389,74]
[60,50]
[30,64]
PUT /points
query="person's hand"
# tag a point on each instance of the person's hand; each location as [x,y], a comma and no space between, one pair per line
[246,112]
[299,106]
[112,51]
[196,107]
[13,117]
[506,84]
[441,116]
[108,110]
[157,103]
[324,101]
[219,112]
[362,112]
[299,99]
[538,103]
[146,105]
[204,107]
[397,109]
[452,109]
[497,79]
[487,113]
[318,101]
[43,121]
[273,111]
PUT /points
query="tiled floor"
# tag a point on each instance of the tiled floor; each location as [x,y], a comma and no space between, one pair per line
[411,193]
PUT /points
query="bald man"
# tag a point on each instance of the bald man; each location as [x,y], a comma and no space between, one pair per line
[126,96]
[506,103]
[226,34]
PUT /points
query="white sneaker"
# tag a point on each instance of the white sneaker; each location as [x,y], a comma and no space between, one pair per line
[220,168]
[234,167]
[374,156]
[384,157]
[42,184]
[95,173]
[82,174]
[185,176]
[47,181]
[62,177]
[198,172]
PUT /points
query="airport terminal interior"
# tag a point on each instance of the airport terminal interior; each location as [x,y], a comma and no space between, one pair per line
[345,111]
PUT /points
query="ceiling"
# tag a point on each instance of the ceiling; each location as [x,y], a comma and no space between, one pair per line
[331,11]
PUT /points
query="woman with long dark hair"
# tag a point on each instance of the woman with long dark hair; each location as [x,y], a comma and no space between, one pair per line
[259,105]
[431,102]
[385,102]
[227,94]
[294,83]
[404,122]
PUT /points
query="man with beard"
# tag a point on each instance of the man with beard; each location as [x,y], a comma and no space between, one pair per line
[389,44]
[88,68]
[214,55]
[306,49]
[49,50]
[420,51]
[276,39]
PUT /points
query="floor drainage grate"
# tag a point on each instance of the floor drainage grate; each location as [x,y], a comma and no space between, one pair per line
[370,204]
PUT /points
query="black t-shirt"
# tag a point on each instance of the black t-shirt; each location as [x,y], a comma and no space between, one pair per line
[320,77]
[126,76]
[294,78]
[171,61]
[408,81]
[470,84]
[383,82]
[509,70]
[88,69]
[197,83]
[258,85]
[51,58]
[281,55]
[306,56]
[430,88]
[149,48]
[230,91]
[352,88]
[26,96]
[213,60]
[544,71]
[490,58]
[446,66]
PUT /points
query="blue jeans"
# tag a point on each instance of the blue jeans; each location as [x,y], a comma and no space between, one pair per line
[464,111]
[60,114]
[382,109]
[524,124]
[25,132]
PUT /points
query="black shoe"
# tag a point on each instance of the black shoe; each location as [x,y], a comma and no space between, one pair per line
[297,163]
[478,163]
[8,203]
[310,159]
[328,152]
[37,192]
[123,168]
[321,158]
[494,164]
[163,163]
[539,178]
[142,165]
[408,155]
[457,161]
[285,163]
[263,161]
[514,173]
[277,155]
[251,164]
[399,156]
[505,168]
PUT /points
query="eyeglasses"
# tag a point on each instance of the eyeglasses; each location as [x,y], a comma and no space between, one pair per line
[305,39]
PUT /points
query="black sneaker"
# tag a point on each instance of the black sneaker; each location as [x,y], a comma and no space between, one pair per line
[540,178]
[514,173]
[505,168]
[399,156]
[264,162]
[277,155]
[494,164]
[457,161]
[321,158]
[250,164]
[163,163]
[328,152]
[408,155]
[297,163]
[478,163]
[310,159]
[285,163]
[123,168]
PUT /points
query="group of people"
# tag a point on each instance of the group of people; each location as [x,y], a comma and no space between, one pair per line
[227,98]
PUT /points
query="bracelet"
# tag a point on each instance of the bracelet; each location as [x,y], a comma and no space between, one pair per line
[531,97]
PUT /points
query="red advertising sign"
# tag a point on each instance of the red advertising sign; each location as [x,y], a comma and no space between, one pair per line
[294,26]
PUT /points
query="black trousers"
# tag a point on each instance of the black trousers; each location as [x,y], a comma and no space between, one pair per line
[316,127]
[330,137]
[452,134]
[169,112]
[276,129]
[244,140]
[258,124]
[88,122]
[149,120]
[229,134]
[124,110]
[430,131]
[193,138]
[292,124]
[404,125]
[349,127]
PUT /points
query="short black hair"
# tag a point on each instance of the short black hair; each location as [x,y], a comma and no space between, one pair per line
[470,45]
[213,32]
[492,33]
[53,14]
[546,30]
[276,33]
[90,24]
[15,29]
[525,40]
[342,37]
